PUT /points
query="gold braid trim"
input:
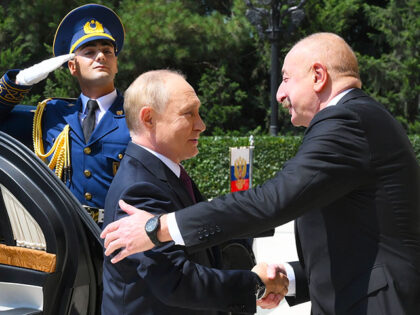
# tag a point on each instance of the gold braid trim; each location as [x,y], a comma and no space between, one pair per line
[60,149]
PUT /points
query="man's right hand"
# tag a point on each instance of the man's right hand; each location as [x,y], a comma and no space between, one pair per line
[276,284]
[127,234]
[273,300]
[40,71]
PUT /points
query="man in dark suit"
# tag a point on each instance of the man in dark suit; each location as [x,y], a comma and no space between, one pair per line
[162,114]
[353,188]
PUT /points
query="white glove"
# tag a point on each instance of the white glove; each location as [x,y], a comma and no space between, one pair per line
[40,71]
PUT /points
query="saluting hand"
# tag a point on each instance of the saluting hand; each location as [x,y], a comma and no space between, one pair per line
[40,71]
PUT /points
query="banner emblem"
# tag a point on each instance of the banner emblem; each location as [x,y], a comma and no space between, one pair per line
[239,168]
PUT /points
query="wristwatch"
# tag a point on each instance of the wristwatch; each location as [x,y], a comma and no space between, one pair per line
[152,227]
[259,288]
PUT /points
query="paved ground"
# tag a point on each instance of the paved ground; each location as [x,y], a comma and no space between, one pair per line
[279,248]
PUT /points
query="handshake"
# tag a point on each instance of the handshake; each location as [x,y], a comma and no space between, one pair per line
[276,284]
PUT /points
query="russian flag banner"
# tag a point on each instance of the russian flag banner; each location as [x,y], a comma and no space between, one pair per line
[240,168]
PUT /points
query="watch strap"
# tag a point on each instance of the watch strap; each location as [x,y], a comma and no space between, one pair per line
[153,234]
[259,288]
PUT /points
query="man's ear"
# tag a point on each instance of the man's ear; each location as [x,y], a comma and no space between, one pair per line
[146,117]
[319,76]
[72,66]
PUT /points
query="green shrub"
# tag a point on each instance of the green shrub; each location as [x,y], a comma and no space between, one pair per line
[415,141]
[210,168]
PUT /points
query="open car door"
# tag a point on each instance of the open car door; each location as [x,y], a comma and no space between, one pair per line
[50,249]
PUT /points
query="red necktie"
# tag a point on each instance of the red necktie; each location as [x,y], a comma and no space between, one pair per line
[186,180]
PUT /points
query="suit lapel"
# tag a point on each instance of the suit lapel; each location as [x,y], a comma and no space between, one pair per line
[198,196]
[178,187]
[108,123]
[150,162]
[72,118]
[105,126]
[212,255]
[161,171]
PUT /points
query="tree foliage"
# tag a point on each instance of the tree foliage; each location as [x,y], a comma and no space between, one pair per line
[385,36]
[223,55]
[394,75]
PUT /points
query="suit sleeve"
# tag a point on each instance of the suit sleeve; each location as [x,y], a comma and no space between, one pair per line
[302,289]
[15,120]
[11,93]
[179,282]
[330,162]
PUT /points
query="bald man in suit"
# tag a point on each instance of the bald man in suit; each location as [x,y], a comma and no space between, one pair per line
[353,189]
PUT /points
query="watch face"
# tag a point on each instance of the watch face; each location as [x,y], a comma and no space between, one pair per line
[151,224]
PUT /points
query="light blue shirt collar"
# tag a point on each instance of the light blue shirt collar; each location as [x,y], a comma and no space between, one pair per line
[104,102]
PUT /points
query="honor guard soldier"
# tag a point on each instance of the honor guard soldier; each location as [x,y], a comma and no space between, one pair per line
[83,140]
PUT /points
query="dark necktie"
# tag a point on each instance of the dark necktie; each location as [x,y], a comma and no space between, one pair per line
[88,123]
[186,180]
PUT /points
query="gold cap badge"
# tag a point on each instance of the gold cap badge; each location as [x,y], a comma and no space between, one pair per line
[93,26]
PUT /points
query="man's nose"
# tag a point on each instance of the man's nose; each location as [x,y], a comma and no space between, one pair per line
[280,96]
[199,124]
[100,55]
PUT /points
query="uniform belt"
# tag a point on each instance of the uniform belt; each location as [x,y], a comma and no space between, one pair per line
[96,213]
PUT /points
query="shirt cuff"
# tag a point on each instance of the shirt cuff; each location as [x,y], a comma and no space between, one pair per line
[292,279]
[174,229]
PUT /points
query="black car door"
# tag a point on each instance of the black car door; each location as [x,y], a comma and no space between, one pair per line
[50,250]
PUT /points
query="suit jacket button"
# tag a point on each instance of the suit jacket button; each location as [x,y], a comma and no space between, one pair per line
[88,196]
[87,150]
[120,156]
[87,173]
